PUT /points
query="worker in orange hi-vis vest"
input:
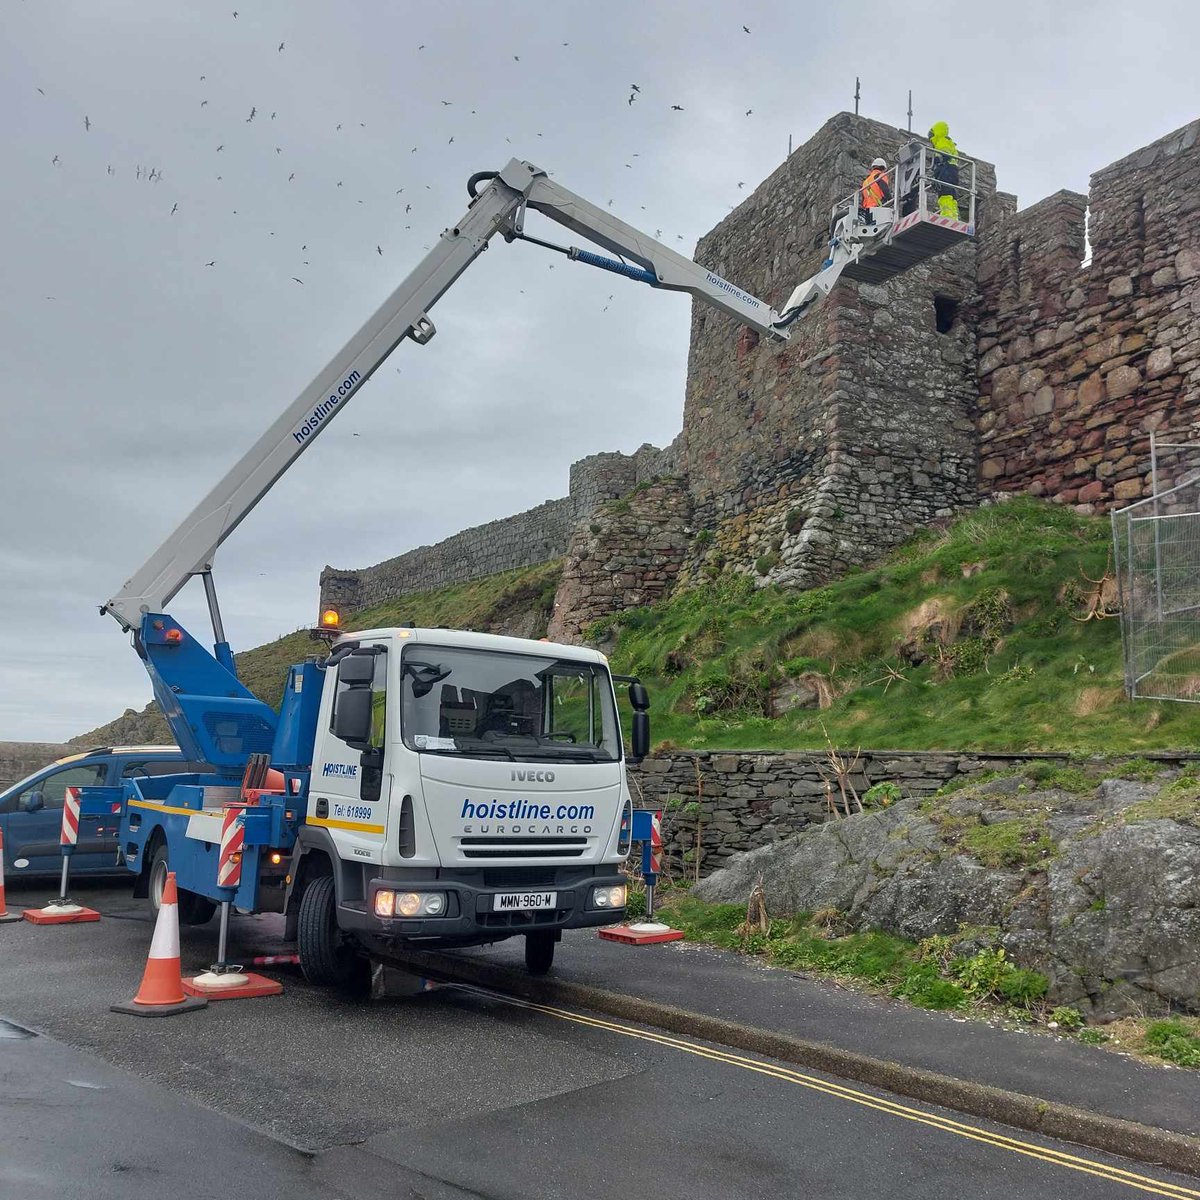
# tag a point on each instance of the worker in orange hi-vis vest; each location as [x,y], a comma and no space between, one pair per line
[875,189]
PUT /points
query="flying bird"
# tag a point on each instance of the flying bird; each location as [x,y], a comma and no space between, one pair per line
[339,127]
[379,251]
[631,98]
[745,29]
[40,90]
[220,147]
[421,47]
[174,208]
[291,176]
[281,45]
[299,281]
[677,108]
[408,208]
[742,184]
[749,111]
[110,170]
[211,264]
[272,116]
[203,103]
[451,141]
[339,183]
[235,14]
[203,78]
[516,58]
[87,124]
[635,87]
[447,103]
[250,118]
[54,161]
[278,150]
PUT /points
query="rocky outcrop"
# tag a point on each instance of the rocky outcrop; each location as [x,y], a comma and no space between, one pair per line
[1100,892]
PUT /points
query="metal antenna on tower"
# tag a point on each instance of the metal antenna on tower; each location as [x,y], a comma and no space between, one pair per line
[910,110]
[856,95]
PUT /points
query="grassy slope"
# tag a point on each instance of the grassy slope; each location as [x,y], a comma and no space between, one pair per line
[713,657]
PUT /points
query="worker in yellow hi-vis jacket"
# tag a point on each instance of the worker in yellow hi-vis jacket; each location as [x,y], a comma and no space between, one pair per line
[945,168]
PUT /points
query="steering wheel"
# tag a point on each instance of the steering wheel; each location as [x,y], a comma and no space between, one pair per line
[561,736]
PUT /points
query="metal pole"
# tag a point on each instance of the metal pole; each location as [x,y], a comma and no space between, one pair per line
[910,110]
[856,94]
[62,887]
[223,936]
[1158,595]
[789,145]
[214,612]
[650,879]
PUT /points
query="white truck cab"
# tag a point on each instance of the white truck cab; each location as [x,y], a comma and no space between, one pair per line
[465,788]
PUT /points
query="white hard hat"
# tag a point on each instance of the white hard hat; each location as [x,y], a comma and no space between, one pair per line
[879,162]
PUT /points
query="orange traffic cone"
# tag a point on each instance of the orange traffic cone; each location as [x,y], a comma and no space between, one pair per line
[161,993]
[5,915]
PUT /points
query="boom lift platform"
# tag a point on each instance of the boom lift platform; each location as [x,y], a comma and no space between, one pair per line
[877,244]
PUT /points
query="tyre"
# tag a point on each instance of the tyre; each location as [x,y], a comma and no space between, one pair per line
[325,957]
[193,909]
[539,951]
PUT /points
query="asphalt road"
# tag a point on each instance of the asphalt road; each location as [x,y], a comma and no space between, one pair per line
[446,1093]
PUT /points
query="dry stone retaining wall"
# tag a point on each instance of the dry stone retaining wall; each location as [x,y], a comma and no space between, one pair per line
[749,798]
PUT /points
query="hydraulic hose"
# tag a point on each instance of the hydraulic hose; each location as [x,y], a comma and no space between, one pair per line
[476,179]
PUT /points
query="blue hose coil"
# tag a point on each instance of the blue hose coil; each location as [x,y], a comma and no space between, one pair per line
[611,264]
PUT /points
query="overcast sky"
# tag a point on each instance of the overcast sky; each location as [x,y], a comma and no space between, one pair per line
[135,374]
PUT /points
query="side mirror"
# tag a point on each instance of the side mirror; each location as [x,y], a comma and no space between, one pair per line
[356,669]
[352,720]
[640,736]
[33,803]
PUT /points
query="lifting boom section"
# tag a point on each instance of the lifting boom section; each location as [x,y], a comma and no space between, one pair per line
[498,208]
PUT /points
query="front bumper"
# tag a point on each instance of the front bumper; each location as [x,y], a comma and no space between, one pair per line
[470,911]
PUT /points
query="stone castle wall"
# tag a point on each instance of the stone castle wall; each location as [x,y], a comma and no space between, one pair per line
[627,555]
[524,540]
[1079,363]
[18,759]
[809,456]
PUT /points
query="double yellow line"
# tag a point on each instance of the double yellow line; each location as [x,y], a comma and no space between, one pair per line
[975,1133]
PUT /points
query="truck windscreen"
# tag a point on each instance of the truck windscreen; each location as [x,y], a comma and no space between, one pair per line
[487,703]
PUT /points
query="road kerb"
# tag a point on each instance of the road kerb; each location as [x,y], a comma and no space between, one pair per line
[1143,1143]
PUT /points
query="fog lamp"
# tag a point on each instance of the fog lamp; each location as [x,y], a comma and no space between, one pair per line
[408,904]
[385,903]
[609,897]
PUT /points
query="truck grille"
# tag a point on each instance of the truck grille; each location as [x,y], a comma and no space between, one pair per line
[532,847]
[521,877]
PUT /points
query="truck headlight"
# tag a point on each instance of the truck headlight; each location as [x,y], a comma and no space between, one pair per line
[609,897]
[390,903]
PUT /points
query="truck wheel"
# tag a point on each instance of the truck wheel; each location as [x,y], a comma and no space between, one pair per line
[325,958]
[539,951]
[193,909]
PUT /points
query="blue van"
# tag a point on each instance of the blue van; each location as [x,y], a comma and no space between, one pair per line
[31,811]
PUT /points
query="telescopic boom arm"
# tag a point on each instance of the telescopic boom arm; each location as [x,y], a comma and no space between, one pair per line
[499,207]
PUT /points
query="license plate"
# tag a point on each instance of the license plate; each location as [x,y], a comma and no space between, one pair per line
[523,901]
